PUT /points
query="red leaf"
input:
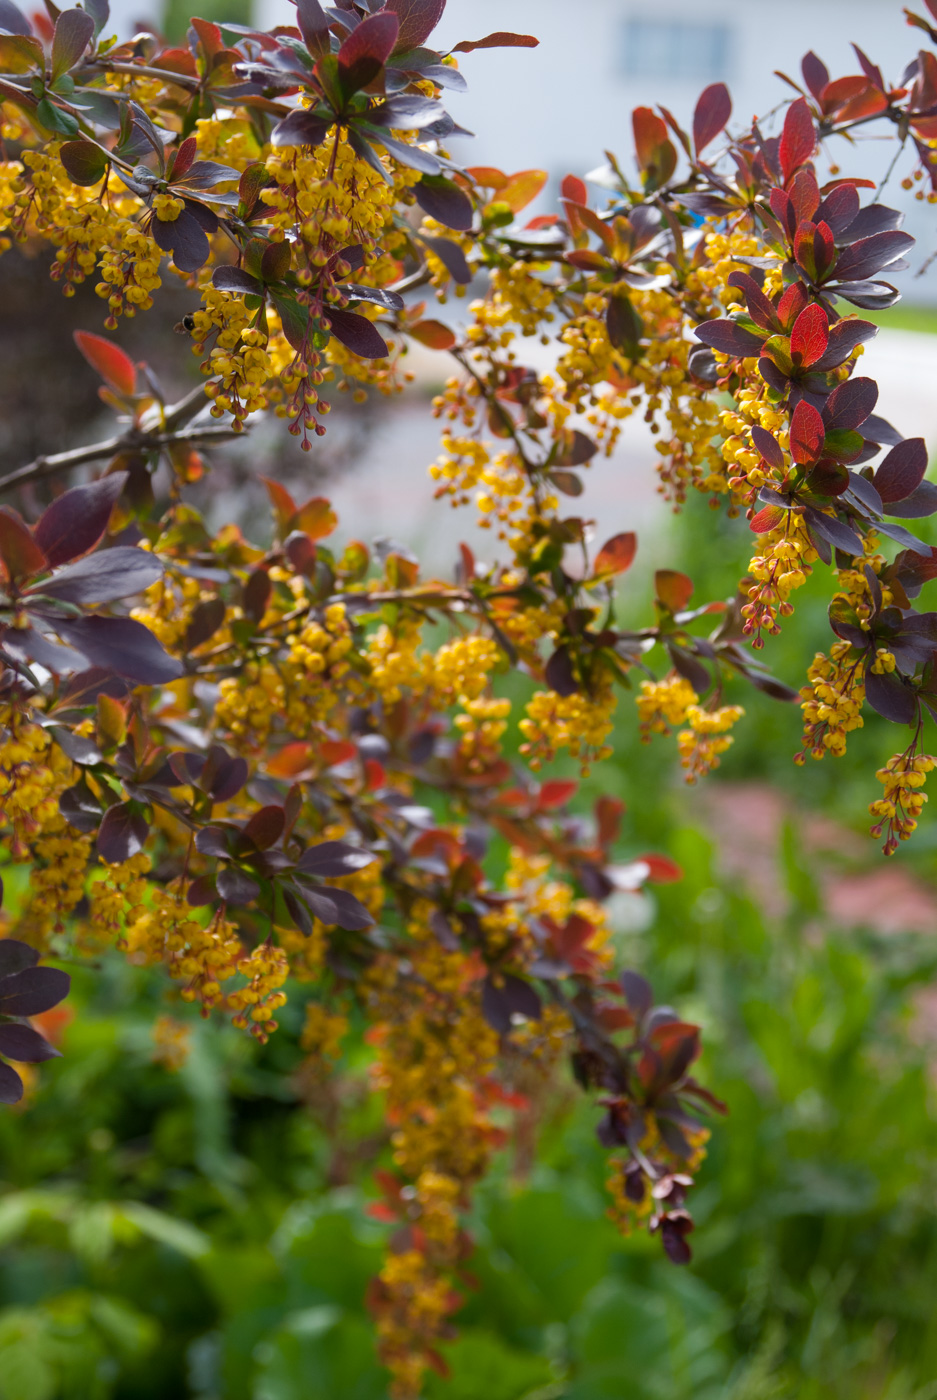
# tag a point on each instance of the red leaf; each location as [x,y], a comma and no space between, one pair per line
[115,368]
[616,555]
[810,335]
[673,589]
[19,551]
[501,39]
[650,132]
[575,189]
[417,18]
[799,138]
[662,870]
[555,793]
[210,36]
[434,334]
[713,110]
[807,433]
[284,507]
[768,518]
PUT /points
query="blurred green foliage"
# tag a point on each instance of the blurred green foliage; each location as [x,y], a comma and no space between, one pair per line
[204,1234]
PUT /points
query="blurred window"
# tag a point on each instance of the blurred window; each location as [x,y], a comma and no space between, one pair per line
[674,49]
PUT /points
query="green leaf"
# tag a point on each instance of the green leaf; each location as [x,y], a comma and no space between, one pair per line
[55,119]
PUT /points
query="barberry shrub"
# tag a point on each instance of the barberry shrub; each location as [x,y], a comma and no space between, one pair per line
[254,763]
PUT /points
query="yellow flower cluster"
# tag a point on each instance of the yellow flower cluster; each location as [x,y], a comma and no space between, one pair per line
[706,738]
[579,723]
[266,969]
[832,701]
[902,802]
[172,1042]
[662,705]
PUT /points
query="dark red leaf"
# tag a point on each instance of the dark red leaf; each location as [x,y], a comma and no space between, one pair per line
[921,502]
[559,674]
[902,470]
[366,50]
[768,518]
[236,280]
[265,827]
[32,991]
[359,334]
[807,433]
[184,238]
[713,110]
[75,522]
[761,308]
[255,595]
[834,531]
[810,335]
[850,404]
[417,20]
[816,74]
[798,139]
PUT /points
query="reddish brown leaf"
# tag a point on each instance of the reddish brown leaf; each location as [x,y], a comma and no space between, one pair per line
[616,555]
[713,110]
[810,335]
[433,334]
[798,139]
[673,589]
[807,433]
[115,368]
[19,551]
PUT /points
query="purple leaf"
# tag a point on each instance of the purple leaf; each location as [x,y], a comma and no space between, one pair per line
[26,1046]
[874,218]
[103,577]
[300,128]
[891,698]
[510,996]
[15,955]
[638,993]
[713,110]
[84,688]
[313,26]
[870,255]
[32,991]
[839,209]
[761,308]
[414,157]
[558,673]
[451,256]
[728,338]
[224,774]
[350,913]
[902,470]
[816,73]
[122,833]
[445,202]
[121,645]
[11,1086]
[769,447]
[74,30]
[333,858]
[844,337]
[366,50]
[235,279]
[868,296]
[406,112]
[264,828]
[377,296]
[359,334]
[213,841]
[28,644]
[850,404]
[236,887]
[829,528]
[921,502]
[75,522]
[184,238]
[13,20]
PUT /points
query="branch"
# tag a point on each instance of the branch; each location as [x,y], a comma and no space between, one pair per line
[134,439]
[140,70]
